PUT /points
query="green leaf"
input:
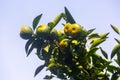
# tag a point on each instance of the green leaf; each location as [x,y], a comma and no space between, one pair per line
[57,19]
[116,29]
[92,51]
[93,36]
[112,68]
[45,54]
[116,60]
[51,25]
[90,31]
[69,16]
[29,42]
[97,57]
[39,69]
[97,42]
[118,57]
[48,77]
[104,35]
[30,50]
[118,41]
[101,60]
[115,76]
[39,54]
[115,50]
[104,53]
[36,21]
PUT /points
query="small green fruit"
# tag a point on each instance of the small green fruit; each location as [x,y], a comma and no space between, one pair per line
[43,31]
[53,34]
[26,32]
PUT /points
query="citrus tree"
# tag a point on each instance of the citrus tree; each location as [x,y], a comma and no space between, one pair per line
[72,53]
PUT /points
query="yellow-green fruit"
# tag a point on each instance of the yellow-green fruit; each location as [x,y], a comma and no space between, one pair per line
[75,42]
[26,32]
[61,35]
[52,60]
[67,29]
[74,30]
[80,67]
[43,31]
[64,45]
[53,34]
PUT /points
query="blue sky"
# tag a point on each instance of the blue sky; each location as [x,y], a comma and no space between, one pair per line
[15,65]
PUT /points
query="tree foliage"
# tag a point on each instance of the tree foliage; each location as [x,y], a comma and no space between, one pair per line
[73,53]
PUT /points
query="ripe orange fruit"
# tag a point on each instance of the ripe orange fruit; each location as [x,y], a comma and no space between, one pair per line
[43,31]
[26,32]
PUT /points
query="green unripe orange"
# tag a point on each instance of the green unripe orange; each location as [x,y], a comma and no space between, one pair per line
[26,32]
[43,31]
[53,34]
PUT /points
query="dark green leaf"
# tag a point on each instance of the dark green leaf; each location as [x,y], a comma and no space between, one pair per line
[39,54]
[45,54]
[118,41]
[115,50]
[118,57]
[104,53]
[51,25]
[48,77]
[111,68]
[92,51]
[94,35]
[97,57]
[69,16]
[116,29]
[97,42]
[29,42]
[115,76]
[30,50]
[39,69]
[101,60]
[90,31]
[36,21]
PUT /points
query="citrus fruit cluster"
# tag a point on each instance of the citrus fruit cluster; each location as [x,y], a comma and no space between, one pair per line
[70,53]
